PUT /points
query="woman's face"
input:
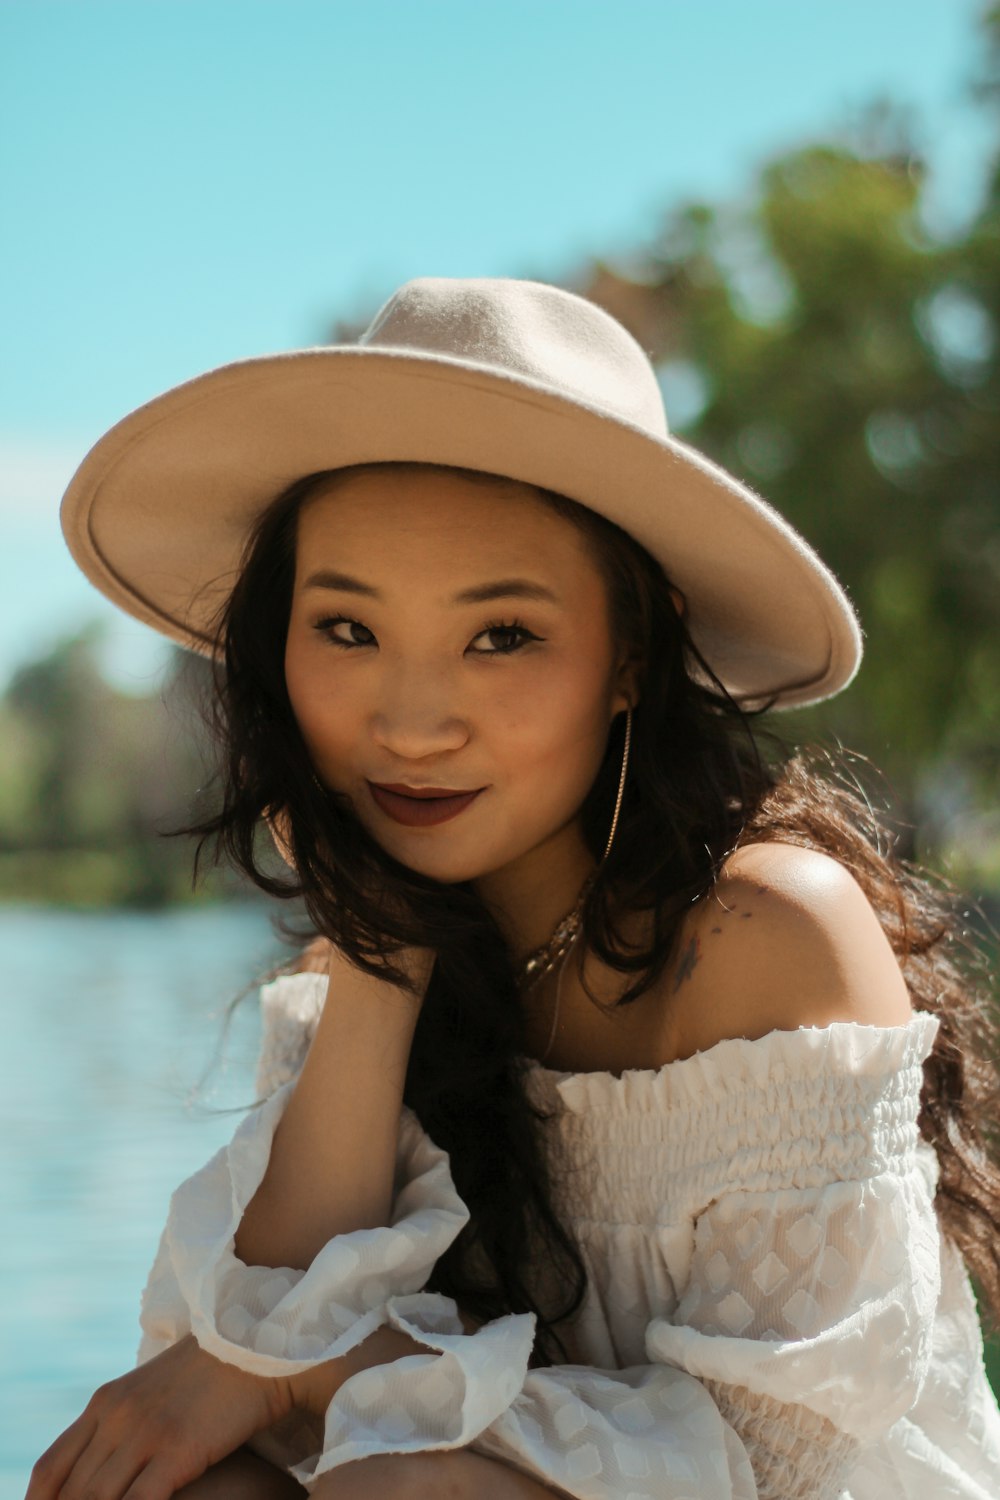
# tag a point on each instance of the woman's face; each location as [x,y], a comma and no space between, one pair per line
[394,677]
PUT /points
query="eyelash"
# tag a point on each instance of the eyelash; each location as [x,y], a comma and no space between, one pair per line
[325,626]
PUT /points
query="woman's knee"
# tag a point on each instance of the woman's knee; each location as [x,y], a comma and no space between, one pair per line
[392,1476]
[453,1474]
[242,1476]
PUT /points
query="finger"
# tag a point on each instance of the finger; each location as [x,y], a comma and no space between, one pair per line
[160,1479]
[53,1467]
[107,1473]
[106,1434]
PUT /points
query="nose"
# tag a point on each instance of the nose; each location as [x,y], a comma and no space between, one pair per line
[414,719]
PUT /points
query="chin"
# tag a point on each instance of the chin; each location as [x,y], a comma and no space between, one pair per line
[445,871]
[449,867]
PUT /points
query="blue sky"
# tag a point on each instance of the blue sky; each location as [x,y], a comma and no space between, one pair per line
[187,182]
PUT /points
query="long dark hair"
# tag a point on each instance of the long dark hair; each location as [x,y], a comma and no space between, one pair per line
[700,785]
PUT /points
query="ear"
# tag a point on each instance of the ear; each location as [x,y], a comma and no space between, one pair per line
[627,692]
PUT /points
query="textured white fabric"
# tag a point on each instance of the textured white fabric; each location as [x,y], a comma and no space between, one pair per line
[772,1312]
[278,1320]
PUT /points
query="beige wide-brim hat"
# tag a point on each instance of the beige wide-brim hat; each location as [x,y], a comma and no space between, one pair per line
[512,377]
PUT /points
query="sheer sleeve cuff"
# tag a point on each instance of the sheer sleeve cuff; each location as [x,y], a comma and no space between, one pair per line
[280,1320]
[438,1400]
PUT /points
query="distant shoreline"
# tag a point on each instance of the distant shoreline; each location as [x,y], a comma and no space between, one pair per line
[98,879]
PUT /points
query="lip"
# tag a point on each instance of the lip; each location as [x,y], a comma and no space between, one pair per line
[421,791]
[420,807]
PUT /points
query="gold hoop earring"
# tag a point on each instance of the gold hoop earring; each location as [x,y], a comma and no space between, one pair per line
[621,782]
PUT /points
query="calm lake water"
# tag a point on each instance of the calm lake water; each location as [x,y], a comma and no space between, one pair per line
[113,1023]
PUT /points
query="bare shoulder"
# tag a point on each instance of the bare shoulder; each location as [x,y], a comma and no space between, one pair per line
[788,938]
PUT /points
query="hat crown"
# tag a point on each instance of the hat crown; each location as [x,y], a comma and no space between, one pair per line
[529,330]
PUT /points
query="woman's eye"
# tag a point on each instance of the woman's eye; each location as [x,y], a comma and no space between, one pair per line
[328,627]
[501,628]
[512,635]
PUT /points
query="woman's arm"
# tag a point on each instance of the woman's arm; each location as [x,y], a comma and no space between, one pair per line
[332,1160]
[333,1156]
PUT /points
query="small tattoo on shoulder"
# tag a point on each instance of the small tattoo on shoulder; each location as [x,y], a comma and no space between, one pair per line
[716,929]
[746,913]
[692,953]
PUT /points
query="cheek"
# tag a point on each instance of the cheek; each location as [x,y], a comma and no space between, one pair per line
[321,714]
[555,726]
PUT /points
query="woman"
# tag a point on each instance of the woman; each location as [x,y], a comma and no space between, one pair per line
[622,1128]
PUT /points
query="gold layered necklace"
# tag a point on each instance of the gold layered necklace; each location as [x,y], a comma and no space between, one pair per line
[544,959]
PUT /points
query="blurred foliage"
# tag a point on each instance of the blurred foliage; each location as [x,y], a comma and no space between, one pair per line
[824,347]
[815,339]
[91,779]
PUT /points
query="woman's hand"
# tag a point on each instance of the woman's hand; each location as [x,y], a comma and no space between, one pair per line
[416,963]
[158,1427]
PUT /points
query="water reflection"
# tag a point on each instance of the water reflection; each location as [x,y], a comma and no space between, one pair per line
[111,1021]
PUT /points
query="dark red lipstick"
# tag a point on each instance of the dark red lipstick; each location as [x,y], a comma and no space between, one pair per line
[420,807]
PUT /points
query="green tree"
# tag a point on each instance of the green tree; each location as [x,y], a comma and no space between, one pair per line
[826,348]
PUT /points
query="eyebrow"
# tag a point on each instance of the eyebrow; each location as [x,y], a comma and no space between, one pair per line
[503,588]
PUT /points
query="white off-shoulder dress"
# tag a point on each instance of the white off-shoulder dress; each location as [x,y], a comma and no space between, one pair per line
[772,1311]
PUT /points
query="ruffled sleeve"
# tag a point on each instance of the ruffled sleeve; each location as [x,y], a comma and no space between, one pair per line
[806,1265]
[280,1320]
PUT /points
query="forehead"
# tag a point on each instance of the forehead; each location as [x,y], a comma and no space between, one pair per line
[483,519]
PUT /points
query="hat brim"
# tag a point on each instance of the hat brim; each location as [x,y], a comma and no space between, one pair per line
[158,512]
